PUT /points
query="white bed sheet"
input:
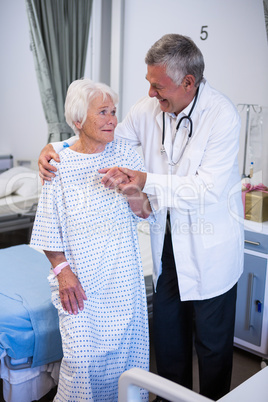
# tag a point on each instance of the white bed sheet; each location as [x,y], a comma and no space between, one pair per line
[30,384]
[17,204]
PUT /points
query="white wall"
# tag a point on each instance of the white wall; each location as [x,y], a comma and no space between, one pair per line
[235,52]
[23,126]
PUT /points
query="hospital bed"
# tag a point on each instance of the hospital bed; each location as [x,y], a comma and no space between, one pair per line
[30,343]
[28,366]
[20,188]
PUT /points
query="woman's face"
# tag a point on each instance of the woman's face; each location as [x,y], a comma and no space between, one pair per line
[98,129]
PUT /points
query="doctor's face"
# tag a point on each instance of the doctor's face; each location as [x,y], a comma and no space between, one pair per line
[171,96]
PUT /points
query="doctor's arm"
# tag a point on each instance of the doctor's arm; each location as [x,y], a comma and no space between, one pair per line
[45,169]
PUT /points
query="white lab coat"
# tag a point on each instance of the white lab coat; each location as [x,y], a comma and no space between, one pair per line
[203,191]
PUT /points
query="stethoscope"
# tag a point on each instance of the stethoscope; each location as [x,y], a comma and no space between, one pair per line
[177,129]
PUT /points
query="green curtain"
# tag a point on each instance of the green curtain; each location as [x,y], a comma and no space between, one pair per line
[59,36]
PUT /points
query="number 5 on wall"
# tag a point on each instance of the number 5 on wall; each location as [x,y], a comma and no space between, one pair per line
[204,32]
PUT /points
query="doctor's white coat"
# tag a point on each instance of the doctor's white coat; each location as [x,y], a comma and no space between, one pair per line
[202,190]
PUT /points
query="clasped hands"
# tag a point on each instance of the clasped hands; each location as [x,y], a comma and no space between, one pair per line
[123,180]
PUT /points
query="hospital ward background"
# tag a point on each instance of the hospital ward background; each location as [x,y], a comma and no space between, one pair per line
[233,37]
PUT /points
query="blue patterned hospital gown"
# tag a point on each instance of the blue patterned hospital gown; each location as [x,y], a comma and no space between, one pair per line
[96,230]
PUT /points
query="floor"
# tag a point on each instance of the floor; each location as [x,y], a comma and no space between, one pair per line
[245,365]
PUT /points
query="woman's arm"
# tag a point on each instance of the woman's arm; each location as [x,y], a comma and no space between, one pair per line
[72,294]
[138,201]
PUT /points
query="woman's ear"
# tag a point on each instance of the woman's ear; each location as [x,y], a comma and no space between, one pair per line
[78,125]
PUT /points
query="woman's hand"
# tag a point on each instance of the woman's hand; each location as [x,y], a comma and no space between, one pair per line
[113,177]
[72,294]
[123,180]
[45,168]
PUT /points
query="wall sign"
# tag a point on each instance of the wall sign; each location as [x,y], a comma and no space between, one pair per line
[204,32]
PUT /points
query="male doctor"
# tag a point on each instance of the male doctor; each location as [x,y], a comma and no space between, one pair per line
[189,134]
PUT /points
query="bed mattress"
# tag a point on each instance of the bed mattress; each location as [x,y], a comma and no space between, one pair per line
[29,322]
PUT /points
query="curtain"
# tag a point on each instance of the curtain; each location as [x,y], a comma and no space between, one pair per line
[59,36]
[265,6]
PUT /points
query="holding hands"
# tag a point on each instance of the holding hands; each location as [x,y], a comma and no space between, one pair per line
[126,181]
[129,183]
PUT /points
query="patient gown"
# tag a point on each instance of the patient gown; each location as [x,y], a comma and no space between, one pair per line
[96,230]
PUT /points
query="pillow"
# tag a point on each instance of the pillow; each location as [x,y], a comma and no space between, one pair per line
[19,180]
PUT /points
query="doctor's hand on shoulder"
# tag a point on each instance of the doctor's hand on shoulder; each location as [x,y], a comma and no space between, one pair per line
[45,169]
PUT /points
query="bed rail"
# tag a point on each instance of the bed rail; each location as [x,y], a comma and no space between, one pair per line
[19,364]
[132,380]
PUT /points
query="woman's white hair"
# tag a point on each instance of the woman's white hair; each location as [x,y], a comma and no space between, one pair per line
[79,95]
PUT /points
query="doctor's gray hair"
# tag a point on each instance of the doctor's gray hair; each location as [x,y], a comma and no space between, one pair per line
[79,96]
[180,55]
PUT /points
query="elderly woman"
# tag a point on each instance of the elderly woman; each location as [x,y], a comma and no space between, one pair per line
[89,235]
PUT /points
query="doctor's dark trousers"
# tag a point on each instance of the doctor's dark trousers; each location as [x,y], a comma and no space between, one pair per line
[208,324]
